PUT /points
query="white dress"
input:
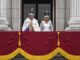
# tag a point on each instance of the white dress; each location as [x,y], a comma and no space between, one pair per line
[34,24]
[46,26]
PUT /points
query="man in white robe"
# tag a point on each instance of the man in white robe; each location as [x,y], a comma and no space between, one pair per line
[30,23]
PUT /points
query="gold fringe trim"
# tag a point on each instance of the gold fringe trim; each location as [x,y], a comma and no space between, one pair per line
[50,55]
[42,57]
[37,57]
[11,55]
[19,43]
[67,55]
[58,43]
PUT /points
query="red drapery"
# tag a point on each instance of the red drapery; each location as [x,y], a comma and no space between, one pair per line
[39,43]
[8,42]
[70,42]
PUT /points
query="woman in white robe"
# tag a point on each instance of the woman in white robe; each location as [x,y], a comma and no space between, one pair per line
[46,24]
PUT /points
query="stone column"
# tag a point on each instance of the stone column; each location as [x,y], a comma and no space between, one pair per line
[60,15]
[3,8]
[0,8]
[16,14]
[3,16]
[74,23]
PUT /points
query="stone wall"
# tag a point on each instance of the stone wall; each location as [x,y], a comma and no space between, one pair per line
[62,14]
[13,14]
[11,10]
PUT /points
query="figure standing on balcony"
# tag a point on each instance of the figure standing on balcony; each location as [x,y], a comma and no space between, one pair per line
[31,24]
[46,24]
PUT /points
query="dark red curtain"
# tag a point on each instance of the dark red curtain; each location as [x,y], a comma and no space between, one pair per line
[8,42]
[39,43]
[70,42]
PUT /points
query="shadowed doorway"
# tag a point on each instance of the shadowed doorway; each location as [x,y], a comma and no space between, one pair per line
[39,7]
